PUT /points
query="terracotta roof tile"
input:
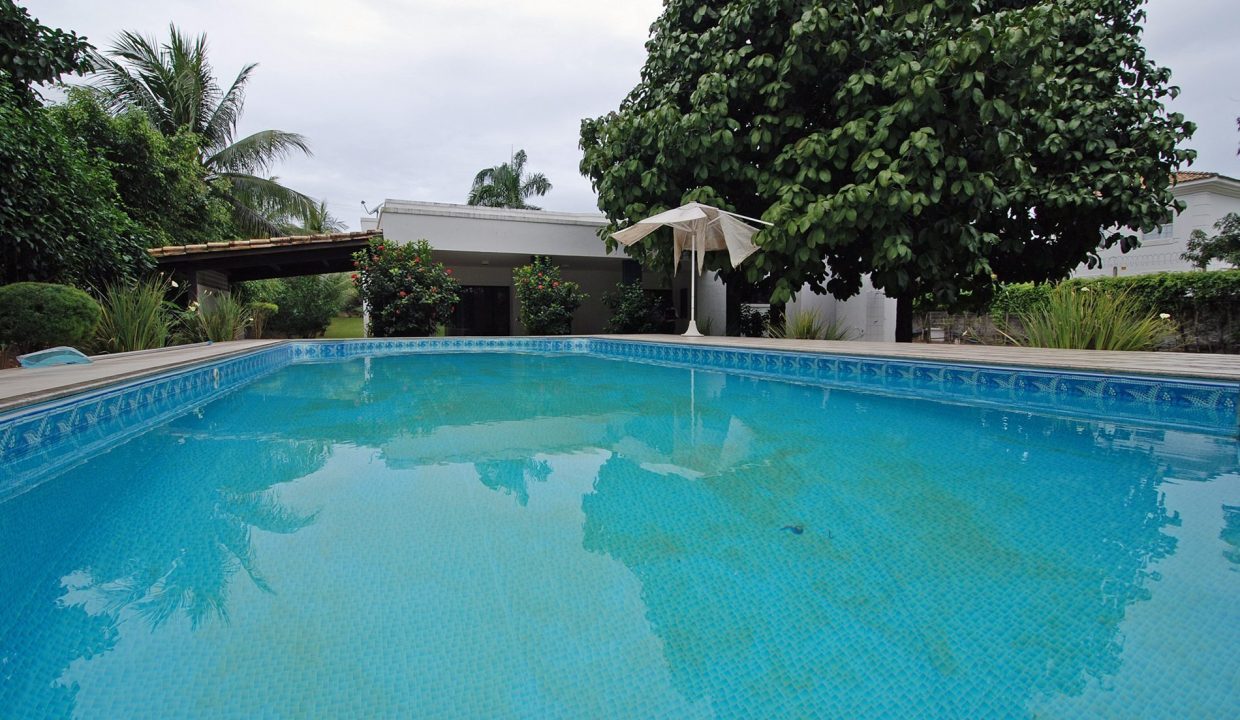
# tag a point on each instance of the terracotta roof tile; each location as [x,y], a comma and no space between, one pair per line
[321,239]
[1191,175]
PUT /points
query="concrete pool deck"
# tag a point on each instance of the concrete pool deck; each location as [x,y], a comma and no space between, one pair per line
[21,386]
[26,386]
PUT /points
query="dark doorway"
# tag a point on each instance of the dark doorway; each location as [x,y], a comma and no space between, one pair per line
[483,310]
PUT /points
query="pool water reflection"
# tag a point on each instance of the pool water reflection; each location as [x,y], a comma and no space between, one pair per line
[520,535]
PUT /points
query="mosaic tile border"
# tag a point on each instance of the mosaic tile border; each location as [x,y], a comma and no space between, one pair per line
[45,438]
[1209,406]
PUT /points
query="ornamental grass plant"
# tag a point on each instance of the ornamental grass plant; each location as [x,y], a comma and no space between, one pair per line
[136,316]
[808,325]
[1082,318]
[223,318]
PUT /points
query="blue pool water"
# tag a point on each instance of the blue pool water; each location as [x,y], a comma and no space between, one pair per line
[526,535]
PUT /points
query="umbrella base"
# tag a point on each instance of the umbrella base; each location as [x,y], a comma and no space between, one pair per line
[692,330]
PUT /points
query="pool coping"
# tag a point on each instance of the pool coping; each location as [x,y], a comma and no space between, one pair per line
[22,387]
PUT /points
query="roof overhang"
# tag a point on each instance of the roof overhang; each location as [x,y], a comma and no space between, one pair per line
[267,257]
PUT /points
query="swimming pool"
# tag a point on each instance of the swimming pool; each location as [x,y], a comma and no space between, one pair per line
[586,528]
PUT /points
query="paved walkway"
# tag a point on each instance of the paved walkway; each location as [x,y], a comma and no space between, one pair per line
[21,386]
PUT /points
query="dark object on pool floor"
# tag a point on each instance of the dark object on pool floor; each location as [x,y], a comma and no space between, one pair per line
[794,529]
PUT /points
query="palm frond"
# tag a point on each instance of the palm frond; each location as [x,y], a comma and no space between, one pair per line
[260,204]
[222,123]
[258,152]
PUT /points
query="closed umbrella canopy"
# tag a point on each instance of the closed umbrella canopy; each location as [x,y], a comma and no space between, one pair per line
[700,228]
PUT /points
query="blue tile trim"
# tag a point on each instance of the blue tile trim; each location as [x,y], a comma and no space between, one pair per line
[1209,406]
[46,438]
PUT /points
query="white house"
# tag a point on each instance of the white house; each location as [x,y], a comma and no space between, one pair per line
[484,245]
[1207,196]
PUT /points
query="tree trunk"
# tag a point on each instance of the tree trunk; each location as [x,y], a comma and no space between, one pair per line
[904,317]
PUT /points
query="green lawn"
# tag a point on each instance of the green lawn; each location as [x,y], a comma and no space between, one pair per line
[345,327]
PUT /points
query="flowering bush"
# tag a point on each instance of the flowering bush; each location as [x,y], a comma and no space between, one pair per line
[408,293]
[546,301]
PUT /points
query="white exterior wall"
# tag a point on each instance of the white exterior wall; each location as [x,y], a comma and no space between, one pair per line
[1206,202]
[464,228]
[870,315]
[484,245]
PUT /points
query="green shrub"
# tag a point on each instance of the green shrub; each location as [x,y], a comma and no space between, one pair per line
[135,316]
[808,325]
[305,305]
[546,301]
[633,310]
[35,316]
[1016,298]
[259,312]
[408,293]
[1204,304]
[1091,319]
[753,322]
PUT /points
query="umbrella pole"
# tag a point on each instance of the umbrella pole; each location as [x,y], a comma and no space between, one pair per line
[692,330]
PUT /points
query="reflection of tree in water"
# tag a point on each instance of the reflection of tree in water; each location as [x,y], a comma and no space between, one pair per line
[912,585]
[113,544]
[1231,533]
[513,476]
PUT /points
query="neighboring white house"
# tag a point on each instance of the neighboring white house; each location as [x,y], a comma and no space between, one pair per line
[484,245]
[1207,197]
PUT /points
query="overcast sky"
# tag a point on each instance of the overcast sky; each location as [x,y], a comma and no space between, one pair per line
[408,99]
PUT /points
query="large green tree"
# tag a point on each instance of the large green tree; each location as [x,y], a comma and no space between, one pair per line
[175,85]
[60,218]
[507,185]
[936,146]
[31,53]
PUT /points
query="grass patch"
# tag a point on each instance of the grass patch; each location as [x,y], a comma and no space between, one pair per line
[345,327]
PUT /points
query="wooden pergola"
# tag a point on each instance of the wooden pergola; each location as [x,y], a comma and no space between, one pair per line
[218,265]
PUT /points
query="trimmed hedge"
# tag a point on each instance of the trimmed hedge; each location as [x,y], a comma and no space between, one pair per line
[1204,304]
[35,316]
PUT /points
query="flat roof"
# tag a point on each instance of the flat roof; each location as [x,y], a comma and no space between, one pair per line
[477,212]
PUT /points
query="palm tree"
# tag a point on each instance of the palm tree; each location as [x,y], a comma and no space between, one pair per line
[507,185]
[175,86]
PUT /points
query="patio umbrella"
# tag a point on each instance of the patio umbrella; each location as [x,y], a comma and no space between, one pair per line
[700,228]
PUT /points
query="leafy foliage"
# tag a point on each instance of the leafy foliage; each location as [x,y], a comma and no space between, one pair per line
[60,215]
[31,53]
[1204,305]
[409,294]
[304,305]
[507,185]
[546,302]
[136,316]
[633,310]
[936,146]
[36,316]
[161,184]
[1224,245]
[174,84]
[1086,318]
[753,322]
[259,312]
